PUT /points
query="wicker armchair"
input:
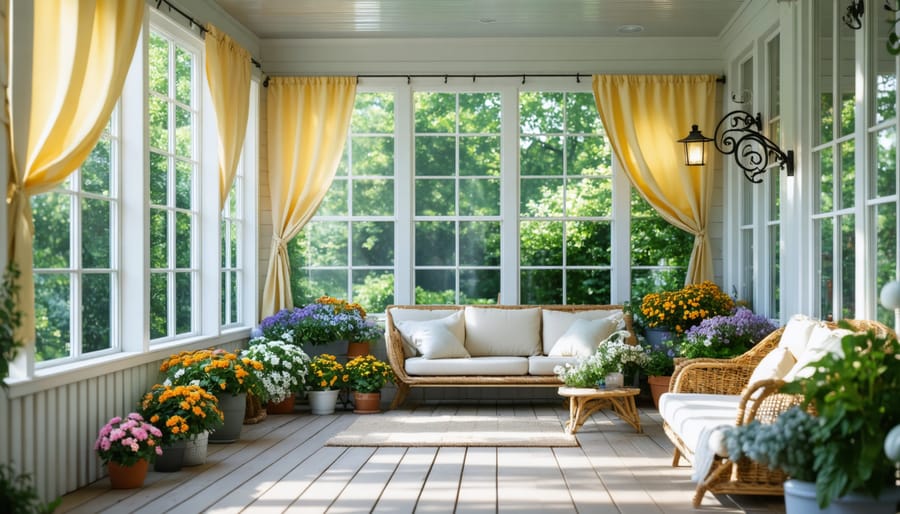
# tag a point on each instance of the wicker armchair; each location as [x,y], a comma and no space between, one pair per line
[761,401]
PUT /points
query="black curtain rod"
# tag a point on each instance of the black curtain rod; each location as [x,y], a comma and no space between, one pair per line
[196,23]
[474,76]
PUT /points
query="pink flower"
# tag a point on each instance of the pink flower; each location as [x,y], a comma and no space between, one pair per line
[135,447]
[116,434]
[155,431]
[106,430]
[128,424]
[139,433]
[115,420]
[105,445]
[135,416]
[158,450]
[128,441]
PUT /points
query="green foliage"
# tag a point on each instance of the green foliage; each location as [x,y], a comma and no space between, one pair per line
[18,494]
[658,363]
[857,399]
[368,374]
[10,320]
[779,445]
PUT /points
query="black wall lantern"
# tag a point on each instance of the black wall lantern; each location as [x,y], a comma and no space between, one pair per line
[739,134]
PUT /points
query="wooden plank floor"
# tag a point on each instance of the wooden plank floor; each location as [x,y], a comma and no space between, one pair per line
[282,465]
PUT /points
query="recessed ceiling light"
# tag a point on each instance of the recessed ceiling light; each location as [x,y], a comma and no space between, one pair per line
[630,29]
[488,20]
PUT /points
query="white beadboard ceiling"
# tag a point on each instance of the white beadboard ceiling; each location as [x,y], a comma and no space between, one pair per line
[481,18]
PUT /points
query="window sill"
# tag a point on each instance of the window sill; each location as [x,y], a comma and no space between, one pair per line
[69,373]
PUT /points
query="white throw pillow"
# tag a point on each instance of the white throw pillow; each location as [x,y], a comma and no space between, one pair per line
[503,332]
[556,323]
[822,341]
[776,364]
[423,334]
[796,333]
[583,337]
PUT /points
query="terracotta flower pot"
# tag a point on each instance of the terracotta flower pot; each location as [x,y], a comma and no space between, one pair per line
[127,477]
[285,406]
[366,403]
[658,386]
[357,348]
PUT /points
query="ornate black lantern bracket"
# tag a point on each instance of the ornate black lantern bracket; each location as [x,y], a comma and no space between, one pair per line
[739,134]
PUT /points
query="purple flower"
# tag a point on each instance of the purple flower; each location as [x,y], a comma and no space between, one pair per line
[725,336]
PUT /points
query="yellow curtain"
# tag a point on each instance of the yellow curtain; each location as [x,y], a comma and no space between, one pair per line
[307,123]
[81,54]
[228,76]
[644,116]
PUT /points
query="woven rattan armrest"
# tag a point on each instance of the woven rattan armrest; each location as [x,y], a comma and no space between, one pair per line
[710,376]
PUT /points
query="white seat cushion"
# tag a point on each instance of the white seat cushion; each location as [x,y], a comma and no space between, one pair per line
[503,332]
[688,414]
[583,337]
[408,321]
[543,365]
[776,364]
[556,323]
[822,341]
[476,366]
[435,340]
[796,333]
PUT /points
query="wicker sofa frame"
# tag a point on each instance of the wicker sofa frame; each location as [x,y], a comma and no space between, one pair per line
[405,382]
[730,376]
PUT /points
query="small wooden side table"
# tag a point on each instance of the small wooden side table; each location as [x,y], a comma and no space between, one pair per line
[585,401]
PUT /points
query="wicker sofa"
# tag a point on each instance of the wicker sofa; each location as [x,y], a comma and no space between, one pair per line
[502,345]
[708,394]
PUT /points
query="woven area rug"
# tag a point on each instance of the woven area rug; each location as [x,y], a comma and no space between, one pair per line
[399,430]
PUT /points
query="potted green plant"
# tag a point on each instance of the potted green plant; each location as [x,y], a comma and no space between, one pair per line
[366,376]
[667,314]
[182,413]
[608,363]
[326,378]
[836,455]
[658,367]
[725,336]
[127,446]
[285,367]
[228,375]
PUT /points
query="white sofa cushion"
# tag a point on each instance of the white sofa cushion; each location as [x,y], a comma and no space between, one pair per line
[689,414]
[556,323]
[476,366]
[410,321]
[822,341]
[435,340]
[583,337]
[796,333]
[503,332]
[543,365]
[776,364]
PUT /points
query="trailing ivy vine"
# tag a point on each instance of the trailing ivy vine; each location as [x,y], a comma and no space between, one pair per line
[10,320]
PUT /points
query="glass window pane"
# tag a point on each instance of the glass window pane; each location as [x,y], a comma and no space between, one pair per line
[373,197]
[479,113]
[541,155]
[479,243]
[159,240]
[588,243]
[541,197]
[184,76]
[589,197]
[184,184]
[435,197]
[159,296]
[96,311]
[540,286]
[159,179]
[435,243]
[775,265]
[158,68]
[435,112]
[479,155]
[588,287]
[540,243]
[773,57]
[373,156]
[885,80]
[541,113]
[581,114]
[848,173]
[435,156]
[373,289]
[326,283]
[183,302]
[885,171]
[847,77]
[826,266]
[158,111]
[330,240]
[96,169]
[435,287]
[52,309]
[848,267]
[645,281]
[479,197]
[479,286]
[824,74]
[826,180]
[588,156]
[95,242]
[51,213]
[184,133]
[183,239]
[885,253]
[335,201]
[235,299]
[373,243]
[373,113]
